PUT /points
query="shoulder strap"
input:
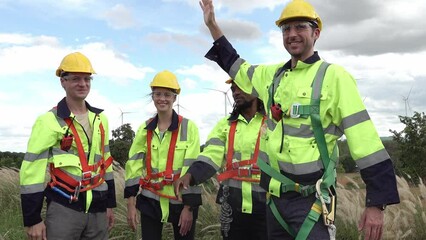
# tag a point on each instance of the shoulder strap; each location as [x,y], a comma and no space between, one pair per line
[315,114]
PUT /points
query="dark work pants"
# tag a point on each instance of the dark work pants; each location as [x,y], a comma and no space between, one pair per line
[152,228]
[294,212]
[247,227]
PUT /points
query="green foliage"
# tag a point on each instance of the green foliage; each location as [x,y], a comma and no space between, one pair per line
[11,159]
[411,147]
[120,143]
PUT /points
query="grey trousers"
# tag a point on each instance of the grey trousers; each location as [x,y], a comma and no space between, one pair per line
[63,223]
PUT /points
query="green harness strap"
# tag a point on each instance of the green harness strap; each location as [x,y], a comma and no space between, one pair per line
[329,174]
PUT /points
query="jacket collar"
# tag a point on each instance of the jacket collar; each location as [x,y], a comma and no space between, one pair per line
[64,112]
[310,60]
[152,125]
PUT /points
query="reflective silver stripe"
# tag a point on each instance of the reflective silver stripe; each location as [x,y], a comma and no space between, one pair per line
[270,124]
[34,188]
[97,158]
[237,156]
[137,156]
[31,157]
[304,131]
[177,171]
[319,78]
[58,151]
[254,92]
[151,195]
[355,119]
[263,156]
[250,71]
[184,130]
[372,159]
[235,67]
[333,130]
[207,160]
[192,190]
[215,142]
[106,148]
[132,182]
[238,184]
[109,176]
[188,162]
[303,168]
[102,187]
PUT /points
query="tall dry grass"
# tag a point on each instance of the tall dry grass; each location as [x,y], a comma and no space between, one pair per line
[403,221]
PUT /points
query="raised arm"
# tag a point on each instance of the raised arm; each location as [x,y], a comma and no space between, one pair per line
[209,19]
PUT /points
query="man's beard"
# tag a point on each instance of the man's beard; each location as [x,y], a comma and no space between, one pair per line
[245,105]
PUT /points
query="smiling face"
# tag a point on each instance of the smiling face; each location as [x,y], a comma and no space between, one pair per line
[163,99]
[77,85]
[299,38]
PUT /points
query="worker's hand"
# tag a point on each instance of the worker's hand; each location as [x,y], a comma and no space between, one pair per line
[182,182]
[208,11]
[132,213]
[371,223]
[37,231]
[110,217]
[185,221]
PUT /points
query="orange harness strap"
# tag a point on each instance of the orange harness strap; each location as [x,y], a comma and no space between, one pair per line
[233,169]
[168,176]
[88,181]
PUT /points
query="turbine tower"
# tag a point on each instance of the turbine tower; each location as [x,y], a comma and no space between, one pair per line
[226,98]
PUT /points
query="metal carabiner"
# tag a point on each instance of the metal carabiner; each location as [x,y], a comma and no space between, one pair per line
[325,212]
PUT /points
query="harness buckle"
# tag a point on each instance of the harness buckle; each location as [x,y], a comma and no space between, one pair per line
[86,176]
[254,170]
[169,177]
[294,110]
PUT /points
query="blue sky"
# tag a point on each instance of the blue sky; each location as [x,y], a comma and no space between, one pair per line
[382,45]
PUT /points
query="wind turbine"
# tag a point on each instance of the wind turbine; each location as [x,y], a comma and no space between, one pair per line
[225,93]
[406,102]
[122,115]
[179,106]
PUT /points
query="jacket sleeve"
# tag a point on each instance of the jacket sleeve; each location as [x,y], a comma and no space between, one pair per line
[109,178]
[223,53]
[211,159]
[135,163]
[364,143]
[191,196]
[33,170]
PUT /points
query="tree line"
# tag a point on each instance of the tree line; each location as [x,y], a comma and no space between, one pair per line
[407,149]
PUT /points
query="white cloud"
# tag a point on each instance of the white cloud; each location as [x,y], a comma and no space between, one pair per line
[120,17]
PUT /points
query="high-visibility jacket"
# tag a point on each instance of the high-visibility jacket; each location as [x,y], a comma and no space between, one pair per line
[245,195]
[186,151]
[44,147]
[292,143]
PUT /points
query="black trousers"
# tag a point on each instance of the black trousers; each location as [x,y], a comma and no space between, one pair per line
[152,228]
[247,227]
[294,212]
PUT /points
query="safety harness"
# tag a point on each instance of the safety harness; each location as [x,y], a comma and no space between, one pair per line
[88,180]
[325,186]
[149,182]
[238,170]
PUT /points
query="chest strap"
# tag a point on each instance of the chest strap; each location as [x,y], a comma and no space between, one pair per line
[237,170]
[88,180]
[150,182]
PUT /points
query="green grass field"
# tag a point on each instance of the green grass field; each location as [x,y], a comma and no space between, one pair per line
[402,221]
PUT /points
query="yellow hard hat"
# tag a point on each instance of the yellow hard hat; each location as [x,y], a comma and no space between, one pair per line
[299,9]
[75,62]
[165,79]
